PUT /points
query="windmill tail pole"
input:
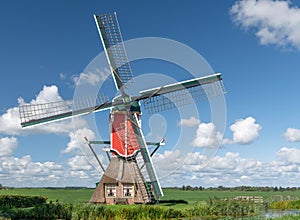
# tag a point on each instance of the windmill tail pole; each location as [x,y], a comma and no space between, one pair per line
[90,146]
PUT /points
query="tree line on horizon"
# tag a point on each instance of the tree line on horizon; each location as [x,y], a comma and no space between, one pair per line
[237,188]
[191,188]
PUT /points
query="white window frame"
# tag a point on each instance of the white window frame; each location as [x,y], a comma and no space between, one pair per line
[129,187]
[110,188]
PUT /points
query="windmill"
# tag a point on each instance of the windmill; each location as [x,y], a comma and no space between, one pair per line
[130,176]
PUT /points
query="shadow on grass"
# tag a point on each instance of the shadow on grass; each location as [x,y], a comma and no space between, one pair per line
[172,202]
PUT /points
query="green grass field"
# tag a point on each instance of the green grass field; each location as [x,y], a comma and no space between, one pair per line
[63,195]
[196,196]
[76,196]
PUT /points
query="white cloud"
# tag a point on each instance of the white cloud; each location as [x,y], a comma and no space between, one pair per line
[77,141]
[168,160]
[47,94]
[85,158]
[207,136]
[174,168]
[228,170]
[7,146]
[91,78]
[289,155]
[245,131]
[190,122]
[275,22]
[10,120]
[23,172]
[292,134]
[194,177]
[79,163]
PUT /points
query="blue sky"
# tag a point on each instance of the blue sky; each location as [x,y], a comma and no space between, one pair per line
[254,44]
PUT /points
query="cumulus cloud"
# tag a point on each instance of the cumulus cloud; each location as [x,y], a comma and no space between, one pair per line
[47,94]
[91,78]
[10,120]
[228,170]
[173,169]
[292,134]
[289,155]
[77,140]
[79,163]
[207,136]
[84,159]
[25,166]
[23,172]
[274,22]
[190,122]
[7,146]
[244,131]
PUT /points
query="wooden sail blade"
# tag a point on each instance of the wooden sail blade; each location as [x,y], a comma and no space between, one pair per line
[114,48]
[182,93]
[146,157]
[35,114]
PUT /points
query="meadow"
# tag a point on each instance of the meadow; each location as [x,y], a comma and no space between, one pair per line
[74,196]
[209,203]
[82,195]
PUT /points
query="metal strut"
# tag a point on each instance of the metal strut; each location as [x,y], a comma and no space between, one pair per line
[97,158]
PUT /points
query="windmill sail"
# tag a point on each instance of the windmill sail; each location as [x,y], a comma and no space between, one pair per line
[33,114]
[180,94]
[146,157]
[114,48]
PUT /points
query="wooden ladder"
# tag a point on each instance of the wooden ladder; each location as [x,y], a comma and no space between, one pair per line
[141,184]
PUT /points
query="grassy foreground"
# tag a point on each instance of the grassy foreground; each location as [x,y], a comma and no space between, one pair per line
[73,202]
[79,196]
[35,207]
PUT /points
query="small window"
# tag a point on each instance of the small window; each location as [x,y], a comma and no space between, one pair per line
[111,190]
[128,191]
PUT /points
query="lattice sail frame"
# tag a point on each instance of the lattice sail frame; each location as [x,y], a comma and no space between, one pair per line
[182,93]
[113,44]
[31,114]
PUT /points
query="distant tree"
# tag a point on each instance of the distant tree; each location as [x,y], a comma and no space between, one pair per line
[188,187]
[1,187]
[281,189]
[221,188]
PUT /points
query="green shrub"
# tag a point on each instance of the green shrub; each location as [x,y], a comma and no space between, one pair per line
[19,201]
[224,208]
[284,205]
[41,211]
[213,208]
